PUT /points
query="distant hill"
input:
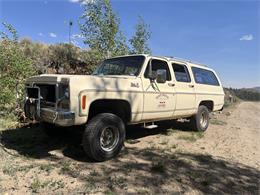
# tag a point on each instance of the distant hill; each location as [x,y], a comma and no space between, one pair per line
[256,88]
[250,94]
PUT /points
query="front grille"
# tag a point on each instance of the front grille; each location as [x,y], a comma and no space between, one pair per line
[47,95]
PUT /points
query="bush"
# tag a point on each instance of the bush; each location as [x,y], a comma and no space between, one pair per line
[15,67]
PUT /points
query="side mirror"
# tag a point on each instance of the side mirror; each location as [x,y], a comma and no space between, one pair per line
[161,76]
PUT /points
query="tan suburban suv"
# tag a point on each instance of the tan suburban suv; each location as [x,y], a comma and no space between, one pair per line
[125,90]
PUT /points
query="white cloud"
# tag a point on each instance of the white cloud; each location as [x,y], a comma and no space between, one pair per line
[77,36]
[82,1]
[40,34]
[248,37]
[53,35]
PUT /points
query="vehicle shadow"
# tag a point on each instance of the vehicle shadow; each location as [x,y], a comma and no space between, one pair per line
[155,166]
[31,141]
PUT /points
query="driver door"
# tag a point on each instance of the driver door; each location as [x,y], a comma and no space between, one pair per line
[159,98]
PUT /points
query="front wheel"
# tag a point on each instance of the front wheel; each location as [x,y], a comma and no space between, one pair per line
[200,121]
[103,137]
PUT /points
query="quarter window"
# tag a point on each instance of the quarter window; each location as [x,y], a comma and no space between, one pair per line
[156,65]
[181,73]
[203,76]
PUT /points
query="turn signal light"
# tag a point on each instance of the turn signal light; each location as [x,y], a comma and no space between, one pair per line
[83,102]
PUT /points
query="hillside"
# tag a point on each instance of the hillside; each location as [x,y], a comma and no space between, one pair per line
[247,94]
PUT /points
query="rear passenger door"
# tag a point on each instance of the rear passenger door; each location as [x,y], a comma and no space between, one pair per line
[184,90]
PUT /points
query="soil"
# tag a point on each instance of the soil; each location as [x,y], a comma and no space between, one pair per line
[169,159]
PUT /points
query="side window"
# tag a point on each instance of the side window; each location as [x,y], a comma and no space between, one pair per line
[156,65]
[203,76]
[181,73]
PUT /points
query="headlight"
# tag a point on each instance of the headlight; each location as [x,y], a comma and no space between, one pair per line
[66,93]
[64,97]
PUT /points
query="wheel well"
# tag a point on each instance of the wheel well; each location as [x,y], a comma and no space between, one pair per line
[121,108]
[208,103]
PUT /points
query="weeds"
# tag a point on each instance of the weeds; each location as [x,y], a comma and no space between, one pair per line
[171,131]
[66,166]
[94,173]
[191,137]
[90,186]
[217,122]
[158,167]
[9,170]
[164,142]
[56,184]
[132,141]
[35,185]
[8,121]
[116,181]
[46,167]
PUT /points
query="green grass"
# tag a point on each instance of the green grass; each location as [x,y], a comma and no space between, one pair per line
[131,141]
[191,137]
[9,169]
[46,167]
[65,166]
[8,121]
[217,122]
[171,131]
[164,142]
[116,182]
[36,185]
[158,167]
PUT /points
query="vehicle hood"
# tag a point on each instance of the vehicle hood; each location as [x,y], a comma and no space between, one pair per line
[90,82]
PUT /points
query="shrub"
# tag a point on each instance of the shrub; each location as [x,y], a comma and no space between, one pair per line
[15,67]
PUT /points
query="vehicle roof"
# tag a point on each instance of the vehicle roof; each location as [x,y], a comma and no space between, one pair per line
[169,58]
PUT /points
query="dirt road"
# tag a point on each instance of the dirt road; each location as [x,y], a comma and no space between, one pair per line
[239,139]
[170,159]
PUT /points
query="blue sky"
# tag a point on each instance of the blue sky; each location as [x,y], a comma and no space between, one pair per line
[222,34]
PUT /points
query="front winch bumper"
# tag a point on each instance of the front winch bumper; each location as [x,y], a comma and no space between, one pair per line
[60,118]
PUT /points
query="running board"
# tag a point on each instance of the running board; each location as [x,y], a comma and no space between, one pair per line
[152,126]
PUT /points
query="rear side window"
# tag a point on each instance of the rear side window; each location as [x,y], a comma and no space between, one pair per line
[181,73]
[156,65]
[203,76]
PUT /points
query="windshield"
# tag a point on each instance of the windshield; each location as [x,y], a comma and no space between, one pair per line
[130,65]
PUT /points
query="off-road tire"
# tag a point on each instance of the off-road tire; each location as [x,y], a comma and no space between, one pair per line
[200,121]
[91,140]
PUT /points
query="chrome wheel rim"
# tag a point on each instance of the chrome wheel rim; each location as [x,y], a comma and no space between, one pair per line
[109,138]
[204,119]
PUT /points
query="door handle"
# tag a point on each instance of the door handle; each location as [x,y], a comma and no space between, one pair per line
[191,86]
[171,84]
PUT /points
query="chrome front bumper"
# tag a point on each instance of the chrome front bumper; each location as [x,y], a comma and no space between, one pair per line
[60,118]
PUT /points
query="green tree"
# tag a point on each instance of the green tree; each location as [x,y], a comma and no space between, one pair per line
[121,47]
[15,67]
[140,38]
[100,27]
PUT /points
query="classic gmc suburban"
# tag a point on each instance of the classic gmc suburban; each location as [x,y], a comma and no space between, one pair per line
[122,91]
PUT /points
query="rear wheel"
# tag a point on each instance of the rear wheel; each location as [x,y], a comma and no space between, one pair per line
[200,121]
[104,137]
